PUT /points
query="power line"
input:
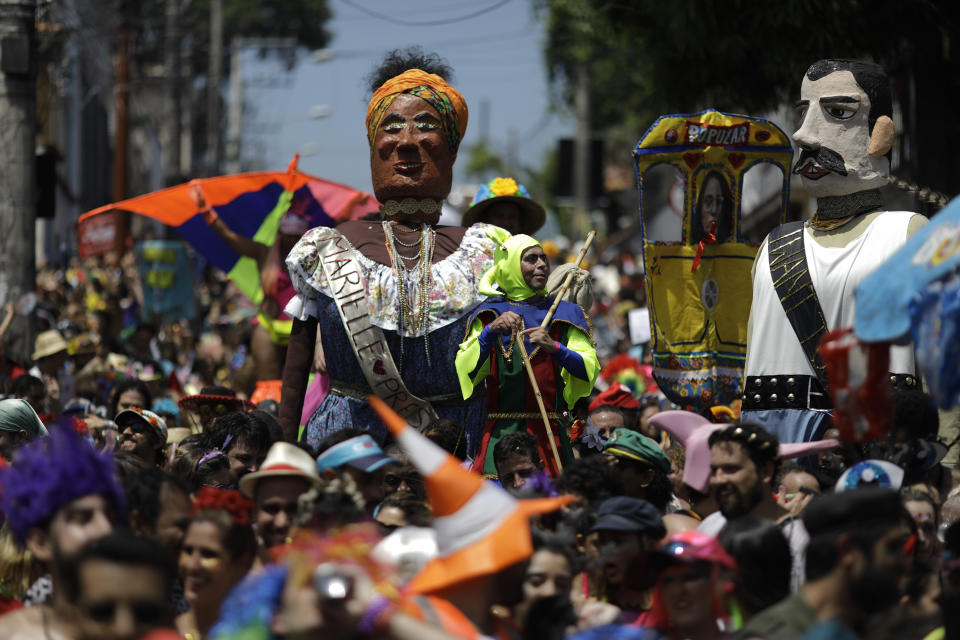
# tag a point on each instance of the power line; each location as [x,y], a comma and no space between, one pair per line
[447,45]
[431,23]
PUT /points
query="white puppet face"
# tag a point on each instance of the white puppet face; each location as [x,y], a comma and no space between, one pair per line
[834,138]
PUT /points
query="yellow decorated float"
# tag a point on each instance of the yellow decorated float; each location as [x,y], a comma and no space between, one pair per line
[699,286]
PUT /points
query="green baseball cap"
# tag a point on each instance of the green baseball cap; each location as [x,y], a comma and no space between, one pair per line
[633,445]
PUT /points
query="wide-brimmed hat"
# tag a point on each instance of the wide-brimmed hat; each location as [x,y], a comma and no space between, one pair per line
[212,395]
[506,190]
[136,415]
[48,343]
[481,529]
[283,459]
[693,432]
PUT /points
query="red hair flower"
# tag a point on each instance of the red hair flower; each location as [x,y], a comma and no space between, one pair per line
[229,500]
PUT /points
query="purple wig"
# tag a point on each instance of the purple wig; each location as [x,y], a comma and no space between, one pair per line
[48,473]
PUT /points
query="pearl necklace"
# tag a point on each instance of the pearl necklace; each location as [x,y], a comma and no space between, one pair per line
[412,320]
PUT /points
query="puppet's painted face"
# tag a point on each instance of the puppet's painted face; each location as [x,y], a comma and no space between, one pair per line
[410,155]
[834,137]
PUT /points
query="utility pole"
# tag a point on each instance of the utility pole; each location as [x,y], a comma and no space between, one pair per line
[581,152]
[18,68]
[171,54]
[235,107]
[121,136]
[214,156]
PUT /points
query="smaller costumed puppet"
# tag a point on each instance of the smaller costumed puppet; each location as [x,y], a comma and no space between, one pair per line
[562,356]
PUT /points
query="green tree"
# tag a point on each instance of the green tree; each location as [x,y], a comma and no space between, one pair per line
[649,58]
[302,20]
[483,163]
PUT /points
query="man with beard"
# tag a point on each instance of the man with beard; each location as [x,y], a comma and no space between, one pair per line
[805,274]
[854,561]
[142,433]
[743,463]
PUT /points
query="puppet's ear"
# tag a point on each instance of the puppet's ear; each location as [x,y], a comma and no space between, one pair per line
[881,140]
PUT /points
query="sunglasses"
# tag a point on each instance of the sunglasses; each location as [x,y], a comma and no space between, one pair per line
[137,427]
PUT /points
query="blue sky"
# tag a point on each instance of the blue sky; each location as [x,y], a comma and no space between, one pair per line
[496,59]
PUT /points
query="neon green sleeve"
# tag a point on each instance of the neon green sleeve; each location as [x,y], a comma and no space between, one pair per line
[469,356]
[573,387]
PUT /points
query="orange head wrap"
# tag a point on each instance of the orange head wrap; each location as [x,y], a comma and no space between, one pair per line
[448,102]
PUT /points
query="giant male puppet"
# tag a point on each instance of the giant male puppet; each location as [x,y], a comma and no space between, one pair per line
[805,274]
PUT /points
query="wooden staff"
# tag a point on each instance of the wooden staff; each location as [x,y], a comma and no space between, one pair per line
[526,357]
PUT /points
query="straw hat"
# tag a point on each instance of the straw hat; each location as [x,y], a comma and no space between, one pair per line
[481,529]
[49,343]
[283,459]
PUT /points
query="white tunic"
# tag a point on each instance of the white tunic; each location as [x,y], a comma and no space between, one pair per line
[772,345]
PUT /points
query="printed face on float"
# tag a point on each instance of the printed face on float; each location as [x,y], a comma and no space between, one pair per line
[833,138]
[712,203]
[410,155]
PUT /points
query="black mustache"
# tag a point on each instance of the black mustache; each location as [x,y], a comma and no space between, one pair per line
[826,158]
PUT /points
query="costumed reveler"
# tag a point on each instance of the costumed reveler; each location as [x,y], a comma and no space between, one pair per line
[563,357]
[272,326]
[805,274]
[392,297]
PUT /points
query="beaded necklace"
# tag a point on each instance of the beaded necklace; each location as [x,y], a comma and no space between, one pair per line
[412,320]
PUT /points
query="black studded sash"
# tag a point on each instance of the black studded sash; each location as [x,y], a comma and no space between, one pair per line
[791,279]
[794,391]
[784,392]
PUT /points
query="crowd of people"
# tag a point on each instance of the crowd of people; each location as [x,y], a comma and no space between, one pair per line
[489,456]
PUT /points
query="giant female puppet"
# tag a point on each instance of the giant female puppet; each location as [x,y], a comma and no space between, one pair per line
[805,274]
[392,296]
[562,356]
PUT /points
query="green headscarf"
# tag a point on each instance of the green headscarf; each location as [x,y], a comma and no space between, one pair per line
[505,277]
[16,414]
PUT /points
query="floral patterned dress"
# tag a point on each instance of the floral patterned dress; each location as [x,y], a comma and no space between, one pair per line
[453,295]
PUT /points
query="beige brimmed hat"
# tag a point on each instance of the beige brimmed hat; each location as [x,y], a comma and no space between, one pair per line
[48,343]
[283,459]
